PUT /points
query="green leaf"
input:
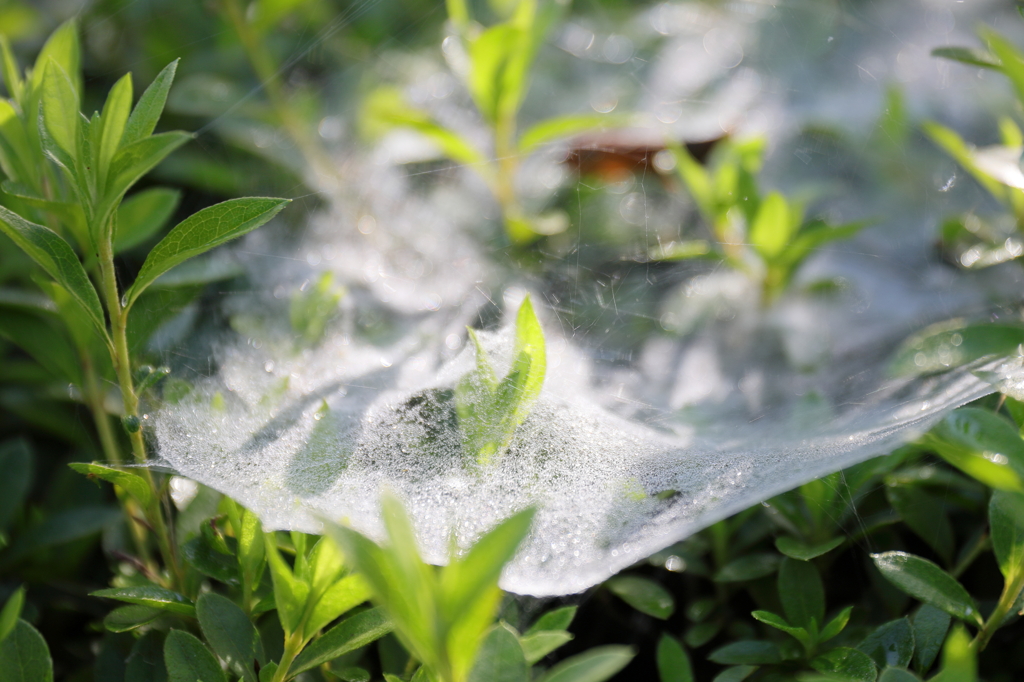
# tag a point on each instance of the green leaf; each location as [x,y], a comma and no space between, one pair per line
[11,612]
[926,515]
[147,112]
[529,342]
[152,596]
[802,593]
[951,344]
[56,257]
[16,463]
[556,619]
[188,659]
[673,662]
[490,55]
[201,232]
[348,635]
[231,634]
[749,567]
[796,549]
[340,598]
[644,595]
[930,626]
[145,663]
[142,215]
[773,228]
[747,652]
[114,117]
[207,560]
[971,56]
[779,623]
[963,154]
[500,658]
[290,593]
[959,662]
[846,664]
[924,580]
[537,644]
[891,644]
[594,665]
[1006,521]
[24,656]
[60,109]
[131,482]
[981,444]
[127,618]
[836,625]
[561,127]
[61,47]
[1011,60]
[12,75]
[736,673]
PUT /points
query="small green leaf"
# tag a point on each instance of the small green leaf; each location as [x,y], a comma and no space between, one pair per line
[749,567]
[1006,521]
[971,56]
[339,598]
[891,644]
[114,117]
[126,618]
[60,109]
[201,232]
[1010,58]
[796,549]
[556,619]
[500,658]
[151,596]
[748,652]
[773,228]
[147,112]
[529,342]
[594,665]
[55,256]
[12,75]
[981,444]
[673,661]
[561,127]
[24,656]
[836,625]
[779,623]
[348,635]
[930,626]
[802,593]
[736,673]
[207,560]
[230,634]
[290,593]
[11,612]
[132,483]
[188,659]
[490,55]
[924,580]
[142,215]
[537,644]
[897,675]
[644,595]
[61,47]
[846,664]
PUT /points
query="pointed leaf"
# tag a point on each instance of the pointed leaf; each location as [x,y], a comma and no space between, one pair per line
[1006,520]
[290,593]
[836,625]
[773,228]
[594,665]
[561,127]
[846,664]
[201,232]
[114,117]
[971,56]
[151,596]
[231,634]
[924,580]
[147,112]
[539,643]
[128,618]
[12,75]
[56,257]
[673,662]
[348,635]
[779,623]
[11,612]
[132,483]
[891,644]
[644,595]
[188,659]
[556,619]
[341,597]
[930,626]
[802,593]
[982,444]
[959,662]
[796,549]
[61,110]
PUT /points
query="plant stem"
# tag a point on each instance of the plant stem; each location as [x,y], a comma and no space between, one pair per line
[292,646]
[1011,590]
[267,72]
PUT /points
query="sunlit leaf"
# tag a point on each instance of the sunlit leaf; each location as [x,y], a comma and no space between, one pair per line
[643,594]
[144,117]
[982,444]
[501,658]
[594,665]
[924,580]
[151,596]
[1006,521]
[348,635]
[971,56]
[142,215]
[134,484]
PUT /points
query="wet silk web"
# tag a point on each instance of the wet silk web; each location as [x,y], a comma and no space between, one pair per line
[672,398]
